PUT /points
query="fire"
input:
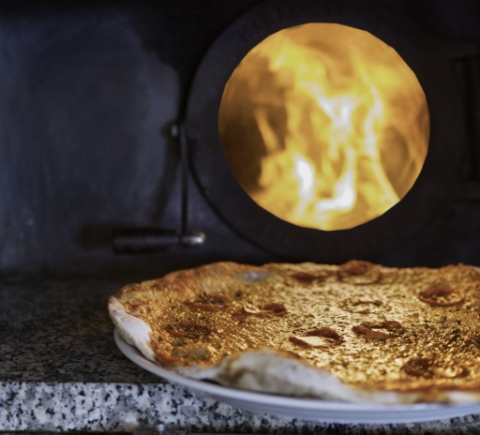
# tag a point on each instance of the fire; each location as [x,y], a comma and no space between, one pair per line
[324,125]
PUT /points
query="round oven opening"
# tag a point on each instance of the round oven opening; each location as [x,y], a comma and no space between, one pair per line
[324,125]
[222,133]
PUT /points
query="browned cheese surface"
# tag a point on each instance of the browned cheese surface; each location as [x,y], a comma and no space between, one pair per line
[371,326]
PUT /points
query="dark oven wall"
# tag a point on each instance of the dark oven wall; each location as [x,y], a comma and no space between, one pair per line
[93,96]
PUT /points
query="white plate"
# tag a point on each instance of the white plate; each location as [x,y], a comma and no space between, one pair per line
[305,409]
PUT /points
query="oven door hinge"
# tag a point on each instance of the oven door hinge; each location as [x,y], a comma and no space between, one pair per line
[151,240]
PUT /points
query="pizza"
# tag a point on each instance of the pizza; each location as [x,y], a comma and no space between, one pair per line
[357,332]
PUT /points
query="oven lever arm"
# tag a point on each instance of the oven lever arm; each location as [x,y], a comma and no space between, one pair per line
[152,240]
[148,240]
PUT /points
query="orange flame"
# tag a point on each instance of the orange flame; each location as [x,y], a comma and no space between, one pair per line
[325,126]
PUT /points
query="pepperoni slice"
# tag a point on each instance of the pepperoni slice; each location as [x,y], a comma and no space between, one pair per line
[359,272]
[370,333]
[299,341]
[325,332]
[320,337]
[356,267]
[441,297]
[267,310]
[364,306]
[306,277]
[390,325]
[370,329]
[243,312]
[210,303]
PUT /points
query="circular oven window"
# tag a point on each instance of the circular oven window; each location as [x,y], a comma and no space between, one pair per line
[324,125]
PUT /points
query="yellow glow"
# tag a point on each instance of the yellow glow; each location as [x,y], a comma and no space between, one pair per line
[324,125]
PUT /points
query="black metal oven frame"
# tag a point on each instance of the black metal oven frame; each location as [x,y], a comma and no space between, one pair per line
[439,183]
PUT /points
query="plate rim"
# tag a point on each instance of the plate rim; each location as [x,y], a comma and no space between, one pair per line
[399,413]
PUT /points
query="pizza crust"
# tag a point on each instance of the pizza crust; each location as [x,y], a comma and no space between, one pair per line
[132,329]
[269,371]
[277,372]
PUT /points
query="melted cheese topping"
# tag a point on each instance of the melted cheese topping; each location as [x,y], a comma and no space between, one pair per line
[370,326]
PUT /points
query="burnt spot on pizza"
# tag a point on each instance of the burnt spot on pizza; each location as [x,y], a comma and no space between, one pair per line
[359,272]
[379,331]
[428,368]
[188,330]
[278,309]
[419,367]
[238,294]
[441,297]
[209,302]
[364,306]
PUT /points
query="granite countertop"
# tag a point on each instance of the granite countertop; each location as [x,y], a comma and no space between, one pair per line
[60,370]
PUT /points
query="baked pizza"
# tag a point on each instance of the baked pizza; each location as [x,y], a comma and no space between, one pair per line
[358,332]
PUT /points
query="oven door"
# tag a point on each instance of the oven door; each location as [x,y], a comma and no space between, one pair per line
[439,180]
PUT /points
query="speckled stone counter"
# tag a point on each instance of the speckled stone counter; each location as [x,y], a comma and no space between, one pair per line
[60,371]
